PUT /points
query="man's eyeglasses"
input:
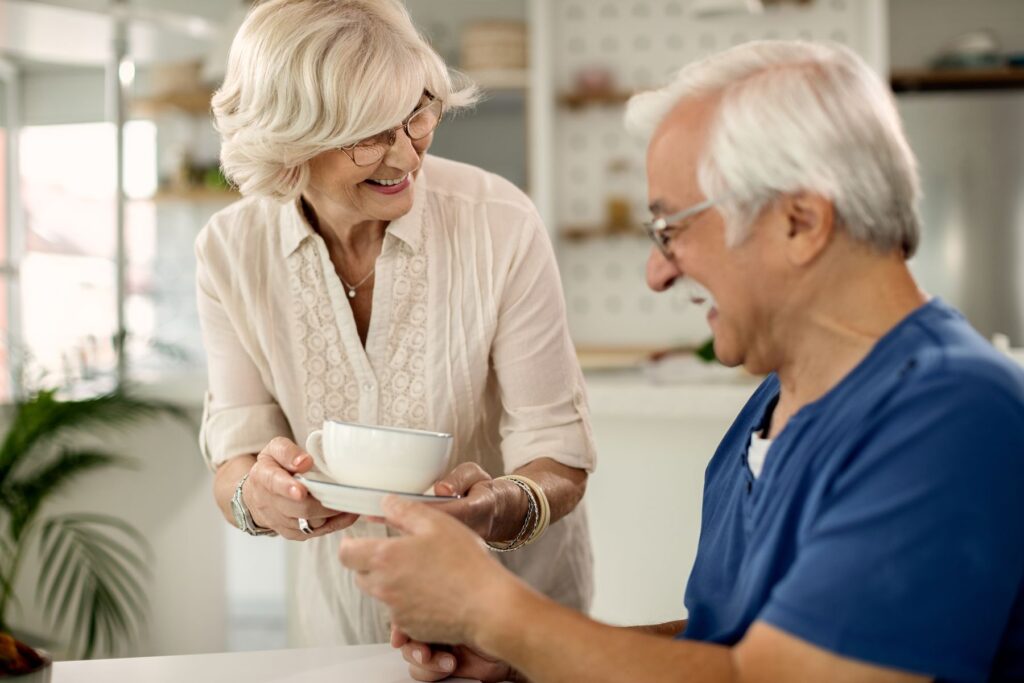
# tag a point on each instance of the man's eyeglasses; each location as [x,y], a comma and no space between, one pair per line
[661,230]
[417,126]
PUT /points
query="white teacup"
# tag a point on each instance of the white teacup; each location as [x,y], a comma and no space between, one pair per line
[389,458]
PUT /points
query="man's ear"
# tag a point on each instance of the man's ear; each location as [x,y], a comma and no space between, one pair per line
[810,220]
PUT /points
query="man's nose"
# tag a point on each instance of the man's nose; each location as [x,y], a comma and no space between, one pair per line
[661,272]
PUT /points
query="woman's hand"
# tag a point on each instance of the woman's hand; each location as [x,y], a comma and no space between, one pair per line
[439,580]
[494,508]
[435,663]
[276,500]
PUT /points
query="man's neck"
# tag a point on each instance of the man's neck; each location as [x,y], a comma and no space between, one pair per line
[837,329]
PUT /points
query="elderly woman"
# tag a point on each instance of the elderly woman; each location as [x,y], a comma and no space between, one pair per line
[361,280]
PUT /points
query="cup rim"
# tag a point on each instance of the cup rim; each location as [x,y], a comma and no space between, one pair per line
[400,430]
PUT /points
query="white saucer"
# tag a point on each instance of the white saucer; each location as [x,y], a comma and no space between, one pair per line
[362,501]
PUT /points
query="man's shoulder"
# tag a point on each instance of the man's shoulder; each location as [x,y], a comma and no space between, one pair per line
[955,416]
[954,365]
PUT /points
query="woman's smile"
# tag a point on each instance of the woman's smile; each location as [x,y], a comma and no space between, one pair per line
[388,186]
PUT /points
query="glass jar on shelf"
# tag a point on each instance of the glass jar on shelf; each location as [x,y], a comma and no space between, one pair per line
[617,202]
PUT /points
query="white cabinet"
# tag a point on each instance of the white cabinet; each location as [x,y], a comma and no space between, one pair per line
[644,500]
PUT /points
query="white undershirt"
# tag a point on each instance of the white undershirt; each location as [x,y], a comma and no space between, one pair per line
[757,451]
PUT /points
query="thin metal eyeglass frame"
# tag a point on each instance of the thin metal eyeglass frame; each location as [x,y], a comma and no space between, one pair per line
[392,133]
[658,229]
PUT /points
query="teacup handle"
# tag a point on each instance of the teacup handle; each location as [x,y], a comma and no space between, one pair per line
[315,447]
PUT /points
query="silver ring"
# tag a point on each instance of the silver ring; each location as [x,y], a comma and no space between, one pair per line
[304,526]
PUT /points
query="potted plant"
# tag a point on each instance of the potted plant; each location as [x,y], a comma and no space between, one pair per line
[92,565]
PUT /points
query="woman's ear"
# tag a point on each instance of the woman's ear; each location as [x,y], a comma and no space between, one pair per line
[810,218]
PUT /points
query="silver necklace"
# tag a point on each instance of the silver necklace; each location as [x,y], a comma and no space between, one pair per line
[352,288]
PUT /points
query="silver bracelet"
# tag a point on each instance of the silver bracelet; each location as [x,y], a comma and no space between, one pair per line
[532,513]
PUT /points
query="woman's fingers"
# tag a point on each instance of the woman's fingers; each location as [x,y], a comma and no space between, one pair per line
[440,662]
[419,673]
[461,479]
[288,527]
[426,664]
[274,478]
[287,454]
[398,637]
[336,523]
[308,507]
[277,501]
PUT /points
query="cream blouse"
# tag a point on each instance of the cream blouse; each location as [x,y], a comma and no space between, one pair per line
[467,335]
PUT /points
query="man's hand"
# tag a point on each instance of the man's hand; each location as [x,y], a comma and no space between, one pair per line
[438,578]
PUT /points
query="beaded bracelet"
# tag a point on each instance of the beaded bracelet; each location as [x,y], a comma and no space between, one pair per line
[529,524]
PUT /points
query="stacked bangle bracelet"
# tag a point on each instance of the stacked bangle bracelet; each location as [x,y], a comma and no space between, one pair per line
[538,515]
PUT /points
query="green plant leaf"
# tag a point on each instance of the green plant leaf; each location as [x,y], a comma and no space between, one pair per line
[32,491]
[67,595]
[86,560]
[6,586]
[55,550]
[43,418]
[706,351]
[49,550]
[99,580]
[118,575]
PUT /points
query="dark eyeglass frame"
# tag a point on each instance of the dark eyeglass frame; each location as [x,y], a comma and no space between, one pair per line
[661,230]
[392,133]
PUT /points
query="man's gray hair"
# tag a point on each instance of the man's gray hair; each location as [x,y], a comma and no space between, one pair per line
[306,76]
[794,116]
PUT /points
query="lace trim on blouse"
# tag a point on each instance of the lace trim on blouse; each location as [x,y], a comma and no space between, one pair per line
[331,386]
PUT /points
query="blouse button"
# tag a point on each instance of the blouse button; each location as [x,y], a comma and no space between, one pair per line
[367,386]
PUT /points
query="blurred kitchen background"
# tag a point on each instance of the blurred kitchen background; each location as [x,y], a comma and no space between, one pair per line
[83,274]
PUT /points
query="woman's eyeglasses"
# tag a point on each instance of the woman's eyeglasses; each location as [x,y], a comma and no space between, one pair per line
[417,126]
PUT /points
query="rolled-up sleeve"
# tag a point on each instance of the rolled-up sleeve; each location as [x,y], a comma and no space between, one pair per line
[543,395]
[240,416]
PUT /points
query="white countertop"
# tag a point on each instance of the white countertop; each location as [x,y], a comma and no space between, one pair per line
[684,391]
[634,395]
[355,664]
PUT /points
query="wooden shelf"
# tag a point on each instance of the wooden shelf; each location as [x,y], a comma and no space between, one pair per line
[500,79]
[193,196]
[574,100]
[901,80]
[933,80]
[581,233]
[190,102]
[614,358]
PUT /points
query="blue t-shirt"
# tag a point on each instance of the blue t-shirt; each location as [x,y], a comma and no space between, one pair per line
[888,523]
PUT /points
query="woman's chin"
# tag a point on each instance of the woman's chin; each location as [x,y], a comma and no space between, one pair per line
[388,206]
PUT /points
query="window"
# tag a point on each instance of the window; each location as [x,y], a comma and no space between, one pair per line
[68,271]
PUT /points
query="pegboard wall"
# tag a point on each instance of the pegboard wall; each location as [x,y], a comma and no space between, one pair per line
[642,43]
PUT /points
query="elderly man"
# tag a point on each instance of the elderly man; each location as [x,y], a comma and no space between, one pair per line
[862,517]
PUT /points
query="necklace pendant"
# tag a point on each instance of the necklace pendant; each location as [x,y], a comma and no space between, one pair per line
[351,294]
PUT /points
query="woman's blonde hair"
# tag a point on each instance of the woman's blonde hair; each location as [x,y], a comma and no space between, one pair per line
[305,76]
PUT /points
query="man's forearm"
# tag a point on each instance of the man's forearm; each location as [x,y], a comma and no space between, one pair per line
[670,629]
[548,643]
